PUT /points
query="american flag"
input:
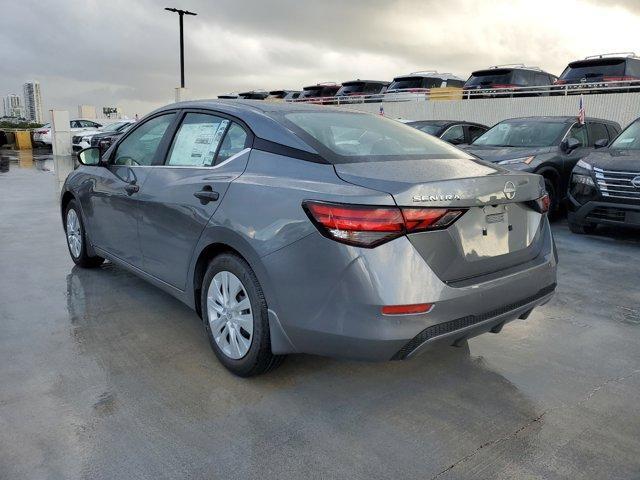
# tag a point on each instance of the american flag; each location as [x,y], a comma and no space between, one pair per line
[381,110]
[581,111]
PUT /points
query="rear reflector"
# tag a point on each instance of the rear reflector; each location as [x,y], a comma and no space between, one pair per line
[369,226]
[406,309]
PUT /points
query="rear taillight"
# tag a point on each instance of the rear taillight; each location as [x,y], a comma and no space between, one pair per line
[542,204]
[560,82]
[505,85]
[619,79]
[369,226]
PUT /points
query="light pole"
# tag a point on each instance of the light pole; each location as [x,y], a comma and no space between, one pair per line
[181,13]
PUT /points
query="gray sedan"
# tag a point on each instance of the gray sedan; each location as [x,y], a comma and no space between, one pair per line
[299,228]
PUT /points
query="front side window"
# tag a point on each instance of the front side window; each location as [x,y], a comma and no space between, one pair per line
[522,133]
[629,139]
[140,147]
[359,137]
[597,131]
[579,132]
[454,135]
[197,140]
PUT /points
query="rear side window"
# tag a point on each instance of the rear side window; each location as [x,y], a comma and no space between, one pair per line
[455,83]
[234,142]
[141,146]
[597,131]
[475,132]
[358,137]
[197,140]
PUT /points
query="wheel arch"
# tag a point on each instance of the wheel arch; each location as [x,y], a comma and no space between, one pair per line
[64,201]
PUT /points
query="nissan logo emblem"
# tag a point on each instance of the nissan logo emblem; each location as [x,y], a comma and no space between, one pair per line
[509,190]
[636,181]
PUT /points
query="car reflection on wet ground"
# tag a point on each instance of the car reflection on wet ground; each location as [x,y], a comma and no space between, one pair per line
[105,376]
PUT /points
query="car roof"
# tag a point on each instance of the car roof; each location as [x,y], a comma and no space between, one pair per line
[447,122]
[384,82]
[260,116]
[563,118]
[434,74]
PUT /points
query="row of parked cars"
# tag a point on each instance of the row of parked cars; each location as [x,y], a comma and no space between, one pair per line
[590,168]
[85,133]
[607,72]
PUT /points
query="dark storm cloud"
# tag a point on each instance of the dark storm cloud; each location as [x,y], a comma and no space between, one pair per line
[126,52]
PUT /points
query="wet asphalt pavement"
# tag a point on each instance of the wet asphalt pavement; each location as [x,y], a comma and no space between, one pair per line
[104,376]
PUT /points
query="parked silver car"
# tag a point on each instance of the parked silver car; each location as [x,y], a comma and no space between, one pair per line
[299,228]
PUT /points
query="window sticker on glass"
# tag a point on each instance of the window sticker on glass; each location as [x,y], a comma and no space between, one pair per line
[197,142]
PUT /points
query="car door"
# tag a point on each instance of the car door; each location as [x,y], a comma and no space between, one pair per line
[112,204]
[208,152]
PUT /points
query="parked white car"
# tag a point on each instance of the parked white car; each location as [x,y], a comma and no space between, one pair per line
[43,134]
[83,139]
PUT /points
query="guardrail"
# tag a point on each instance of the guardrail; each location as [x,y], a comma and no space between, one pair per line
[469,94]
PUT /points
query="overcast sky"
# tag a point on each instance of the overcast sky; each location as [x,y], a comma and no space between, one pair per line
[125,52]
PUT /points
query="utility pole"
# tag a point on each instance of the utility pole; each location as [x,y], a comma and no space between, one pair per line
[181,14]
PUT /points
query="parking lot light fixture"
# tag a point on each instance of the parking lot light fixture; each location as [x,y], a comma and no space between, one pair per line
[181,14]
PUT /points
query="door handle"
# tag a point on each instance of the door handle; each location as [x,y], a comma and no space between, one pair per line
[206,195]
[132,188]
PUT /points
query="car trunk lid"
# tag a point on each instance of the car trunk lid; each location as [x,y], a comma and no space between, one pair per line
[500,228]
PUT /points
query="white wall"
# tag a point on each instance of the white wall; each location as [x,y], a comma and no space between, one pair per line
[619,107]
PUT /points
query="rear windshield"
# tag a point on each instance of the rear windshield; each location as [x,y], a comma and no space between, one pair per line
[320,91]
[525,133]
[415,82]
[594,69]
[431,127]
[351,88]
[359,137]
[490,77]
[629,139]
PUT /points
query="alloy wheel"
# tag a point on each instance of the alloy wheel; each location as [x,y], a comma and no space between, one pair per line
[74,233]
[230,314]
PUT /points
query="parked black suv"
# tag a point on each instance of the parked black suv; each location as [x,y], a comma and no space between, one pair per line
[372,88]
[549,146]
[110,134]
[605,185]
[453,131]
[320,93]
[498,81]
[612,72]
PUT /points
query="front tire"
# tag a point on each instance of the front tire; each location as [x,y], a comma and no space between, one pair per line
[235,317]
[77,238]
[552,191]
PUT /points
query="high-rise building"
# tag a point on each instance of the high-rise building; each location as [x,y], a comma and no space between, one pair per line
[12,106]
[87,112]
[32,101]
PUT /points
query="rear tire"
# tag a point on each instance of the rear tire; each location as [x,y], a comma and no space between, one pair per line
[234,312]
[552,191]
[582,229]
[77,238]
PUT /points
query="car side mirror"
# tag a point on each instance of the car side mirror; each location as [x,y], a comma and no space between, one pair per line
[89,156]
[603,142]
[568,145]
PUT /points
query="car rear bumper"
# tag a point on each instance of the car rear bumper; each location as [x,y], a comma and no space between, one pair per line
[604,213]
[328,298]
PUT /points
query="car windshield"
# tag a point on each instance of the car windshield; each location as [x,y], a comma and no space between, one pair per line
[594,69]
[629,139]
[525,133]
[430,128]
[359,137]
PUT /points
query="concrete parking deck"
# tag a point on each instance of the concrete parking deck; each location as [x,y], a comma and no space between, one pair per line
[104,376]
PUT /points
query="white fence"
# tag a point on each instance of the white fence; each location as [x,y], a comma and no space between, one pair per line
[619,107]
